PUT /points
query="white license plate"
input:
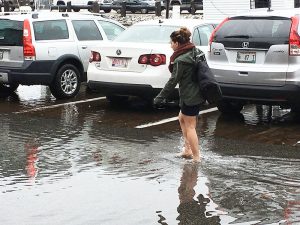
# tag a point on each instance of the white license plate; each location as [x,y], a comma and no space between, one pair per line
[119,62]
[246,57]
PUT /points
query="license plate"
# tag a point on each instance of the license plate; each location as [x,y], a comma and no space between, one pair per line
[1,54]
[246,57]
[119,62]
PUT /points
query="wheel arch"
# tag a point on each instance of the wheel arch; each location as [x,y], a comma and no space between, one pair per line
[67,59]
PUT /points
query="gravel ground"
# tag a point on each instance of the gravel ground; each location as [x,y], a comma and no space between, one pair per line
[134,18]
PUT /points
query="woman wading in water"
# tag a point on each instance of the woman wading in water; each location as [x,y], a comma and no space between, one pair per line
[181,68]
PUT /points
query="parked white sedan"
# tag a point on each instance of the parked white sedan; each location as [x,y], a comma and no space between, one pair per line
[136,62]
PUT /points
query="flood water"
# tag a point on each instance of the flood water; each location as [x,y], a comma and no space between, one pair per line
[88,164]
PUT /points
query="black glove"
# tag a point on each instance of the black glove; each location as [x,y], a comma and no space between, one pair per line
[159,102]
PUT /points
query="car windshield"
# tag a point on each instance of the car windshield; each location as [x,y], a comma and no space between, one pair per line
[147,34]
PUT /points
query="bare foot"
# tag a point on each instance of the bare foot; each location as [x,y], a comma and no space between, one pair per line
[196,159]
[184,155]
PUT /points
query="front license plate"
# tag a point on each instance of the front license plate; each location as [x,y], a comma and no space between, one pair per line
[246,57]
[119,62]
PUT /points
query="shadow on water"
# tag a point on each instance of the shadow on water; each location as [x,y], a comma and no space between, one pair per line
[191,210]
[193,207]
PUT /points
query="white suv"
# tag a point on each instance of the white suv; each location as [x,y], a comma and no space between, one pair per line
[255,57]
[50,49]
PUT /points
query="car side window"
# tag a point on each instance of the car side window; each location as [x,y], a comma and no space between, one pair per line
[86,30]
[50,30]
[196,37]
[204,33]
[111,30]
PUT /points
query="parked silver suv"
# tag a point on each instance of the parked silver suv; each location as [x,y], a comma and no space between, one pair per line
[256,59]
[50,49]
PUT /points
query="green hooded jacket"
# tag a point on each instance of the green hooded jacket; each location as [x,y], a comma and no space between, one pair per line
[189,91]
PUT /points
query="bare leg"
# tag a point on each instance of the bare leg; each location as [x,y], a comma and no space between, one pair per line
[191,135]
[187,149]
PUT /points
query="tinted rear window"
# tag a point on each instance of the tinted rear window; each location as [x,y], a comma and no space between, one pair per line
[11,33]
[147,34]
[261,32]
[50,30]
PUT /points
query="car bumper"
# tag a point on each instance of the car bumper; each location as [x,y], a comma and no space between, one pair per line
[289,93]
[140,90]
[31,72]
[108,88]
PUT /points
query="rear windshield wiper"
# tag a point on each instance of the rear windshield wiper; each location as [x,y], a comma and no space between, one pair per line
[237,36]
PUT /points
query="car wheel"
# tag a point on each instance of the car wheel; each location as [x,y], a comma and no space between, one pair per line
[76,10]
[133,11]
[66,83]
[8,87]
[227,107]
[107,10]
[144,11]
[116,99]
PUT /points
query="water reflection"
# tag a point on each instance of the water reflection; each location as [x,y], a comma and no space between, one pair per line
[31,148]
[276,126]
[191,210]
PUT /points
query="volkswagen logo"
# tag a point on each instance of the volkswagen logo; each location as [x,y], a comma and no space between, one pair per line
[245,44]
[118,52]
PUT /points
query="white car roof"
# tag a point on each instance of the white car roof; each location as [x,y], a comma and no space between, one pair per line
[264,12]
[190,23]
[47,15]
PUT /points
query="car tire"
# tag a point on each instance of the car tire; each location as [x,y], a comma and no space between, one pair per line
[76,10]
[132,11]
[226,107]
[116,99]
[8,87]
[107,10]
[66,83]
[144,11]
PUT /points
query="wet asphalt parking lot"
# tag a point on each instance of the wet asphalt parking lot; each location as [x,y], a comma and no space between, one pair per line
[85,162]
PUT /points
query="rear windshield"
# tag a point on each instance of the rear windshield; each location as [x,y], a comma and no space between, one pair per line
[11,33]
[261,32]
[147,34]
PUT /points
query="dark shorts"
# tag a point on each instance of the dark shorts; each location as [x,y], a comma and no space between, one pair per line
[190,110]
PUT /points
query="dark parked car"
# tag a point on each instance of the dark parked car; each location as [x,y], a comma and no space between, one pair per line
[143,6]
[186,4]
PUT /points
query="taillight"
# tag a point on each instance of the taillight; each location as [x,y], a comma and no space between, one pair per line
[294,39]
[152,59]
[215,30]
[95,57]
[28,48]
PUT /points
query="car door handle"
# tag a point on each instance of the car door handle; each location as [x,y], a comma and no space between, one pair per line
[84,47]
[243,74]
